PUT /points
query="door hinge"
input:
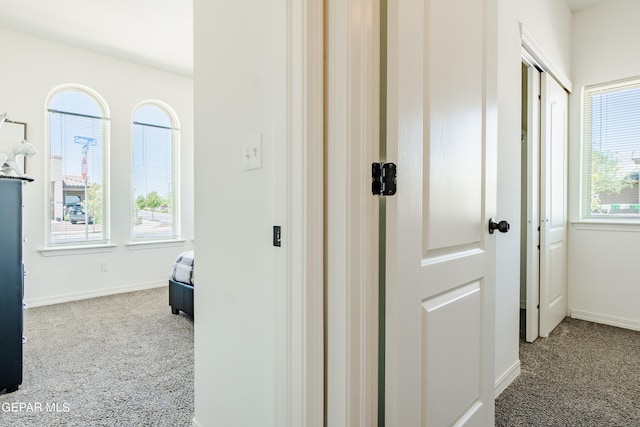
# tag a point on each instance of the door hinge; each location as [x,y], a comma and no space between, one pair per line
[384,179]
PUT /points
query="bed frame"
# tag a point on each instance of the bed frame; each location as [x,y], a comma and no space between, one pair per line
[180,297]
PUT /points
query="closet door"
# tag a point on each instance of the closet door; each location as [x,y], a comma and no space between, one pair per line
[553,205]
[533,205]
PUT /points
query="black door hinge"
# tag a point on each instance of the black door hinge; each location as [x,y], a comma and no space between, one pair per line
[384,179]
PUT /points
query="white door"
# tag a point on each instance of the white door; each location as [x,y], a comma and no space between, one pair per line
[553,205]
[533,206]
[440,257]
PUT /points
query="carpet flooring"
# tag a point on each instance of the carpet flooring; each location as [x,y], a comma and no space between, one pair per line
[125,360]
[584,374]
[121,360]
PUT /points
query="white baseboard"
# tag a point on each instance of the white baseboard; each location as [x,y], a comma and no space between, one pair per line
[57,299]
[606,320]
[195,423]
[507,378]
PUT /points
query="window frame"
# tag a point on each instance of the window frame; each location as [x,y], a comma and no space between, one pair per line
[105,241]
[153,241]
[586,216]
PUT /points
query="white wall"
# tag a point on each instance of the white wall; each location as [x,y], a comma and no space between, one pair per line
[31,68]
[603,264]
[238,94]
[549,22]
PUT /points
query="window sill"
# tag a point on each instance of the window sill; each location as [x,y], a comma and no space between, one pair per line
[626,225]
[155,244]
[76,250]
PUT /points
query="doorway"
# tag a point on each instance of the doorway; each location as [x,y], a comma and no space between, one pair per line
[530,204]
[544,202]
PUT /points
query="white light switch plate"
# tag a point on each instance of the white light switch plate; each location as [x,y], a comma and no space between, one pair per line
[252,153]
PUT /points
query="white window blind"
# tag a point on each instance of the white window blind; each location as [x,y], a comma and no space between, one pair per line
[154,175]
[78,171]
[611,157]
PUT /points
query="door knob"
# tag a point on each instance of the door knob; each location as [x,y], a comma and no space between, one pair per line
[502,226]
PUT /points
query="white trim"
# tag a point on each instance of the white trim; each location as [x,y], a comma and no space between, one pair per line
[606,319]
[76,296]
[535,55]
[195,423]
[299,394]
[76,250]
[353,83]
[607,225]
[507,378]
[155,244]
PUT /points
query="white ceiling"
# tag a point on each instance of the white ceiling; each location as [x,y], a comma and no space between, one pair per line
[158,33]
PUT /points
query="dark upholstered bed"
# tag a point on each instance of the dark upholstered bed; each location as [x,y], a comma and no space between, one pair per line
[181,284]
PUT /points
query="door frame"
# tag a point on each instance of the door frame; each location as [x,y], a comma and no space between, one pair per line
[352,99]
[534,56]
[299,393]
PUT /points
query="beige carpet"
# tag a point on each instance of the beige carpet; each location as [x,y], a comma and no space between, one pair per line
[121,360]
[584,374]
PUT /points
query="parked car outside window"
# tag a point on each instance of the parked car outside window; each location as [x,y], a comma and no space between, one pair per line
[77,215]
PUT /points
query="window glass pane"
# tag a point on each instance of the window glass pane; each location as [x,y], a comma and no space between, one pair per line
[154,193]
[78,102]
[152,115]
[612,151]
[76,163]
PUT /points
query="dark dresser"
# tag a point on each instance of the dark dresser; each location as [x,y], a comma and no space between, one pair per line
[11,283]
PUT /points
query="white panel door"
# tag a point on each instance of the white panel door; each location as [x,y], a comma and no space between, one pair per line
[440,257]
[553,205]
[533,205]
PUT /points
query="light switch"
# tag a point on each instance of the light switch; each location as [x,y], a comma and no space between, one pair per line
[252,153]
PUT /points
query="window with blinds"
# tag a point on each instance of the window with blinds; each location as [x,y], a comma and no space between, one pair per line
[78,169]
[611,156]
[154,174]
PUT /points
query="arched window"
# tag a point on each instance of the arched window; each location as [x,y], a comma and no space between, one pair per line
[155,194]
[78,131]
